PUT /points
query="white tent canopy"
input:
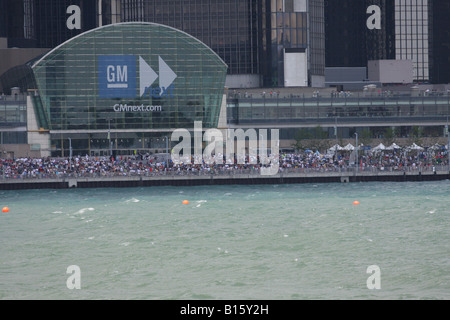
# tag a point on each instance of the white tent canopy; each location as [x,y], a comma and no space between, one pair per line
[335,148]
[415,147]
[393,146]
[379,147]
[349,147]
[434,147]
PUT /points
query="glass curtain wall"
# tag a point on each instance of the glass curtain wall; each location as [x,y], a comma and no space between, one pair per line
[72,80]
[287,30]
[411,35]
[229,27]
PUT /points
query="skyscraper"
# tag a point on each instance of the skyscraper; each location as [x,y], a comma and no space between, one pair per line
[42,23]
[286,34]
[228,27]
[440,41]
[349,42]
[3,19]
[417,30]
[317,42]
[253,37]
[412,35]
[260,40]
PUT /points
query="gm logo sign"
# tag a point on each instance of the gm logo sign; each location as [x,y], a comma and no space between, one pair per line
[118,77]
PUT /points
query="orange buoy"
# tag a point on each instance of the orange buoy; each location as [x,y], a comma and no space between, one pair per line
[5,209]
[355,203]
[185,202]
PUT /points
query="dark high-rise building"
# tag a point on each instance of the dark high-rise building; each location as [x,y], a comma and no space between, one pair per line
[316,44]
[263,42]
[380,43]
[42,23]
[230,28]
[254,37]
[51,20]
[3,19]
[416,30]
[349,42]
[16,23]
[440,35]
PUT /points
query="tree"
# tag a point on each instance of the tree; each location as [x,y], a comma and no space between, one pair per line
[302,139]
[416,135]
[319,133]
[314,139]
[366,137]
[389,136]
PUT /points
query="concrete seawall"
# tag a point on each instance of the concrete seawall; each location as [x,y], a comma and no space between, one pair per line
[242,179]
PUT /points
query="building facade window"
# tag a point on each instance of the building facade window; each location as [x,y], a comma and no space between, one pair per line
[229,27]
[412,36]
[288,30]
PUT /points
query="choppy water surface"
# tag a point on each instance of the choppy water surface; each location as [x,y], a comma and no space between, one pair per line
[230,242]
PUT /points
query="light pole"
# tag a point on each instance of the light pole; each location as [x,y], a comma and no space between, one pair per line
[448,146]
[167,151]
[335,135]
[109,137]
[356,149]
[70,154]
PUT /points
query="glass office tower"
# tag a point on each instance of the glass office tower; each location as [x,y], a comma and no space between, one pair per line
[349,43]
[3,19]
[412,35]
[417,30]
[251,36]
[230,27]
[440,41]
[42,23]
[293,28]
[288,30]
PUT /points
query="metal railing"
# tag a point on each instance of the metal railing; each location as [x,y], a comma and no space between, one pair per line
[230,173]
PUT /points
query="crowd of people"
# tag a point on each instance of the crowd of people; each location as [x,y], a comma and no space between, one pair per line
[148,165]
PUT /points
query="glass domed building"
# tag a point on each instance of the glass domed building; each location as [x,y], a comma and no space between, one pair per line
[123,88]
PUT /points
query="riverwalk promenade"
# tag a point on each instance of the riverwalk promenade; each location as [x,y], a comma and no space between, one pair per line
[349,175]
